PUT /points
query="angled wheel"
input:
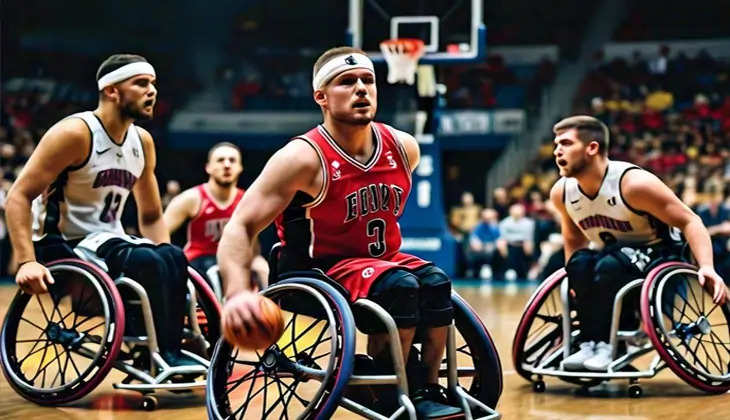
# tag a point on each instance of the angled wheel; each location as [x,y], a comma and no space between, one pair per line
[689,331]
[201,334]
[539,337]
[304,374]
[57,347]
[479,367]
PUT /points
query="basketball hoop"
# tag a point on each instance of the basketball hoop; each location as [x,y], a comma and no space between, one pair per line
[402,56]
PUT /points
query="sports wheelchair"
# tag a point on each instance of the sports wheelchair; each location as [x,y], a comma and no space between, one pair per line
[688,332]
[57,347]
[309,372]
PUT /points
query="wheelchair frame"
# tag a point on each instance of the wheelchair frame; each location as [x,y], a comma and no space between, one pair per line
[159,371]
[398,378]
[614,371]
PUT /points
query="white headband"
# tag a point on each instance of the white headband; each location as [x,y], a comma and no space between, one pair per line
[338,64]
[125,72]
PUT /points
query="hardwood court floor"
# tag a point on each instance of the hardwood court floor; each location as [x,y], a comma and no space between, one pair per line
[665,397]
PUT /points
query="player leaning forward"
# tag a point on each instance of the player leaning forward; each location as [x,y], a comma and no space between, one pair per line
[78,179]
[336,193]
[626,213]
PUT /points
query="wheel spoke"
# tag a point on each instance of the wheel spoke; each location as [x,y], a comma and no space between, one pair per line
[297,337]
[43,308]
[694,297]
[32,323]
[33,351]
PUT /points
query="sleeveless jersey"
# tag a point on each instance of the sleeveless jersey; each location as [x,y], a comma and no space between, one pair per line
[606,218]
[356,213]
[206,228]
[90,198]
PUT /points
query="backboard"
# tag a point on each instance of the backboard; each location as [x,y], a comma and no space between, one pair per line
[452,30]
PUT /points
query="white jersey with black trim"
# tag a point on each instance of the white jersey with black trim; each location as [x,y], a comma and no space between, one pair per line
[90,198]
[606,218]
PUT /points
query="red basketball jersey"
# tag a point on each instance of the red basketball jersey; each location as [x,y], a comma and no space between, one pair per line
[356,213]
[206,228]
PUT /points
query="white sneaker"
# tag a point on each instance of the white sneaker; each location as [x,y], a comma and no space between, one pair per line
[601,360]
[575,360]
[510,275]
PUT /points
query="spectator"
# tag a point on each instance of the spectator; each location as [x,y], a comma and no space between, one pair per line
[516,243]
[501,202]
[463,218]
[716,216]
[482,244]
[172,189]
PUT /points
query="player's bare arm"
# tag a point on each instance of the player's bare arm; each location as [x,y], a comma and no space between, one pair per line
[572,236]
[147,195]
[295,167]
[181,208]
[66,144]
[643,191]
[410,144]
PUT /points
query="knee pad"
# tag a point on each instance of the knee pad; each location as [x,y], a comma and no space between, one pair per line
[397,292]
[434,297]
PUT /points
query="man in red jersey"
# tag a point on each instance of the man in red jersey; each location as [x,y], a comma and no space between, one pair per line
[208,207]
[336,193]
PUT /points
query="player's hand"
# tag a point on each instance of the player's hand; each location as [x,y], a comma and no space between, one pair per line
[240,316]
[708,277]
[32,277]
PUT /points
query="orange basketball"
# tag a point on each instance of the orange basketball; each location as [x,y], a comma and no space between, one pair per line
[271,327]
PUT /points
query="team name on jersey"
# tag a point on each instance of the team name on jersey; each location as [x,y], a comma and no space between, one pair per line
[117,177]
[214,228]
[601,221]
[373,198]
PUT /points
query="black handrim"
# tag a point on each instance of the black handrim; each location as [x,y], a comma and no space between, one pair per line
[269,381]
[55,344]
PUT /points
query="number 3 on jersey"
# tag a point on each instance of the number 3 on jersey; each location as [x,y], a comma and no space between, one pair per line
[111,207]
[376,229]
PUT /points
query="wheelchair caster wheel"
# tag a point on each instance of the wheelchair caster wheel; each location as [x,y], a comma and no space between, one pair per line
[635,391]
[538,386]
[149,403]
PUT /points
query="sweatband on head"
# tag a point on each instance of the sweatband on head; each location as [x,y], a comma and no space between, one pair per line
[125,72]
[339,64]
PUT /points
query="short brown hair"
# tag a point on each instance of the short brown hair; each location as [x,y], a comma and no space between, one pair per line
[589,129]
[224,144]
[332,52]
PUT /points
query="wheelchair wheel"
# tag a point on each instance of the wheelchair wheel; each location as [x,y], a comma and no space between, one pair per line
[208,318]
[304,374]
[688,330]
[476,352]
[57,347]
[540,331]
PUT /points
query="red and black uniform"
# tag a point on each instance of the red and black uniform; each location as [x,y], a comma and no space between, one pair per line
[206,228]
[350,229]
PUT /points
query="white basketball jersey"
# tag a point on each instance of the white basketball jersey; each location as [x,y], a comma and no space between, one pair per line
[606,218]
[90,198]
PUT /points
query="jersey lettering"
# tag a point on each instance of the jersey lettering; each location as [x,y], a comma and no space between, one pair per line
[116,177]
[371,199]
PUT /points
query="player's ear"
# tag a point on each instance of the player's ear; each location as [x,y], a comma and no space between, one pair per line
[594,148]
[112,93]
[207,168]
[320,98]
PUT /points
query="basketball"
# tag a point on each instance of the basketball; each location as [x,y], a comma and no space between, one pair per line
[270,327]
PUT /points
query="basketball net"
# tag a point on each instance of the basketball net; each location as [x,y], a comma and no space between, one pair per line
[402,56]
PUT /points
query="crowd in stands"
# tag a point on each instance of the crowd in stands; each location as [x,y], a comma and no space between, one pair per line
[668,115]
